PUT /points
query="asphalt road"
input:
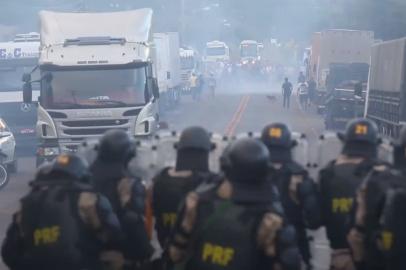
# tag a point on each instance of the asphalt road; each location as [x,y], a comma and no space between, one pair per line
[232,111]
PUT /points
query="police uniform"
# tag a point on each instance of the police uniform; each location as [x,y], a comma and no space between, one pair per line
[339,182]
[127,194]
[234,226]
[297,191]
[372,235]
[171,185]
[63,223]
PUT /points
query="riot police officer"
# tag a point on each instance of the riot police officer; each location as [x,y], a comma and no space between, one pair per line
[297,191]
[366,221]
[339,181]
[233,226]
[127,194]
[171,185]
[62,223]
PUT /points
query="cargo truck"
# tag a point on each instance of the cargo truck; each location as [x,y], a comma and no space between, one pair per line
[16,58]
[335,50]
[386,95]
[95,75]
[167,64]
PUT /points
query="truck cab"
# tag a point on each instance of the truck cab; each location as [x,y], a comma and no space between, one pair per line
[19,56]
[94,77]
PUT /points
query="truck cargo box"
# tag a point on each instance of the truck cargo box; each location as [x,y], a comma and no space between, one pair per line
[386,95]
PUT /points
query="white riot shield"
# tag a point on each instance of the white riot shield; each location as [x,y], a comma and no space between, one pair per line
[165,143]
[220,143]
[385,151]
[88,151]
[300,152]
[329,147]
[143,164]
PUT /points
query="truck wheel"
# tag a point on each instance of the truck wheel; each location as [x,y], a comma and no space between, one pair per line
[12,167]
[4,176]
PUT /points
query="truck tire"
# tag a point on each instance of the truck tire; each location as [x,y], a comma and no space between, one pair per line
[12,167]
[4,176]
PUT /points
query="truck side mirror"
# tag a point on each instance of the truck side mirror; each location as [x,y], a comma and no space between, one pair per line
[155,88]
[27,92]
[26,77]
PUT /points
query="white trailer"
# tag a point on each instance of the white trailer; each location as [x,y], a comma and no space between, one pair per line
[339,46]
[96,75]
[167,64]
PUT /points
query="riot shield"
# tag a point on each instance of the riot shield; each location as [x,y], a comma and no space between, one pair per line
[220,143]
[143,164]
[329,147]
[385,151]
[165,143]
[88,151]
[299,152]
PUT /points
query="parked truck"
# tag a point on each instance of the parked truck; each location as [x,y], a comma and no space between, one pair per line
[386,95]
[216,57]
[95,75]
[189,63]
[332,52]
[167,64]
[17,57]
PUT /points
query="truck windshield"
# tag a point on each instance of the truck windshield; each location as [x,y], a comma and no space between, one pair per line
[187,63]
[215,51]
[101,88]
[249,50]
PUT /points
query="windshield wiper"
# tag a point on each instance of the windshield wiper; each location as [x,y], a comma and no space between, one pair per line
[67,105]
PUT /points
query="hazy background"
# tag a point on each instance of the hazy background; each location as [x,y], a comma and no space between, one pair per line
[229,20]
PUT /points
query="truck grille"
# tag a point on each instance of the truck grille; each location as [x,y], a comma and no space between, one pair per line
[93,131]
[95,123]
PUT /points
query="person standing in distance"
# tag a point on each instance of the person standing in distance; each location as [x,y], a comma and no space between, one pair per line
[234,226]
[63,223]
[287,89]
[126,192]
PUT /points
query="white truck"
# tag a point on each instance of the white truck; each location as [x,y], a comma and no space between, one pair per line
[95,75]
[337,57]
[189,63]
[216,56]
[250,52]
[16,58]
[339,47]
[167,64]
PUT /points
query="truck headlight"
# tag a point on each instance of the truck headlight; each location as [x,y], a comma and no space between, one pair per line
[48,151]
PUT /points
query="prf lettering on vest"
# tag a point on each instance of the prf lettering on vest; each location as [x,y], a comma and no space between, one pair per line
[342,205]
[217,254]
[46,236]
[169,219]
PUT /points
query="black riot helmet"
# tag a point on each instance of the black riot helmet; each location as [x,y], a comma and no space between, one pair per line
[245,163]
[63,167]
[361,138]
[278,138]
[116,146]
[399,150]
[194,138]
[193,150]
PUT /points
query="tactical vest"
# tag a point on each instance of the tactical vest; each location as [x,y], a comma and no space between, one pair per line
[168,193]
[225,237]
[51,227]
[393,235]
[338,186]
[377,185]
